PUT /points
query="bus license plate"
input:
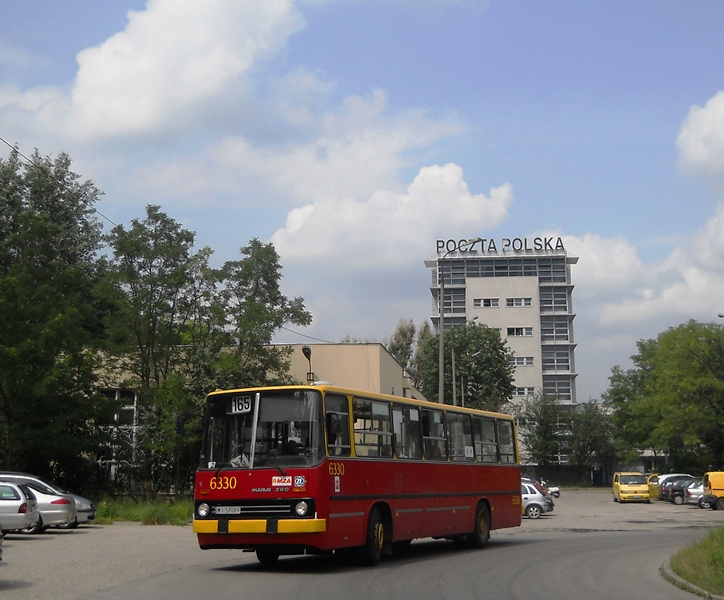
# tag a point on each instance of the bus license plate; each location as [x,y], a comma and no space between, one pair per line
[227,510]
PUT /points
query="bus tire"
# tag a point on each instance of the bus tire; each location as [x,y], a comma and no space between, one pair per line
[481,534]
[372,550]
[267,556]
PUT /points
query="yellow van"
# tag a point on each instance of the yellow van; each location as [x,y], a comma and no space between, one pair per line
[714,489]
[630,487]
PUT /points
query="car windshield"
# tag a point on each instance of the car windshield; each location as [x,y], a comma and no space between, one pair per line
[285,427]
[633,479]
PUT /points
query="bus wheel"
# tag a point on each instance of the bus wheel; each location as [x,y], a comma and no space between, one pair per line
[372,550]
[480,536]
[267,556]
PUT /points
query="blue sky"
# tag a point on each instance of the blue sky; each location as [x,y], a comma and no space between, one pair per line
[353,134]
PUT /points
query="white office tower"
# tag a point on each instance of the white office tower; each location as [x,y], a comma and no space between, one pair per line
[521,287]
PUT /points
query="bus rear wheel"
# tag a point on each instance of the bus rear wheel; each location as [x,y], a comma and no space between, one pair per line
[371,552]
[481,534]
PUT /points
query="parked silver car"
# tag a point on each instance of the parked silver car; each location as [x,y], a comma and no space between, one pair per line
[85,509]
[534,503]
[55,507]
[694,493]
[18,506]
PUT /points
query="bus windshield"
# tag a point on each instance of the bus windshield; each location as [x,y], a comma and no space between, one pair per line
[286,427]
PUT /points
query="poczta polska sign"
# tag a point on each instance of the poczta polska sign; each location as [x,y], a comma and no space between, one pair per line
[506,245]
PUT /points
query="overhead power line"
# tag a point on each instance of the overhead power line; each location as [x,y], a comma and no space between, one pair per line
[15,148]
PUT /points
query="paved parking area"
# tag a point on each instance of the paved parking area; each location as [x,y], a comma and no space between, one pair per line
[74,564]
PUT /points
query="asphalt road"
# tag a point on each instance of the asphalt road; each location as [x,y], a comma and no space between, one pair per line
[589,547]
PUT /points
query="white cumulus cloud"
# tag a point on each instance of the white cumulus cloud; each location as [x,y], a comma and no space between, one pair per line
[701,138]
[388,229]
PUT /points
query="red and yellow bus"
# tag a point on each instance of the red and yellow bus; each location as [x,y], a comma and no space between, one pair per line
[289,470]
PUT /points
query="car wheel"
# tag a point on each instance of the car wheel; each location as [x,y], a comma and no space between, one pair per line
[267,556]
[556,494]
[720,504]
[480,536]
[371,552]
[37,528]
[533,511]
[703,504]
[678,499]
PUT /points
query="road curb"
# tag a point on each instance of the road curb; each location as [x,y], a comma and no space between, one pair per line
[679,582]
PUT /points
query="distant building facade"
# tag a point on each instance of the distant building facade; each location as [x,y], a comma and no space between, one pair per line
[521,287]
[361,366]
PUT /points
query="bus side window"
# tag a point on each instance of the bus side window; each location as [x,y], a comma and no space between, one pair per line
[486,446]
[337,418]
[406,423]
[433,435]
[506,441]
[372,428]
[460,437]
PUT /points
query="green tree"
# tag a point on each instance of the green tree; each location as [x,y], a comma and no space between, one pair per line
[673,399]
[590,440]
[49,319]
[183,328]
[151,274]
[402,342]
[254,309]
[483,371]
[542,427]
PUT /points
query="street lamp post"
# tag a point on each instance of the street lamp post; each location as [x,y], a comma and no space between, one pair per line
[441,362]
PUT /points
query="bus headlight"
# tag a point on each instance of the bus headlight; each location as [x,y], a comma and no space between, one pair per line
[301,508]
[203,510]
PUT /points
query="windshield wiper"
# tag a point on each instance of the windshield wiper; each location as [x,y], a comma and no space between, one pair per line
[276,464]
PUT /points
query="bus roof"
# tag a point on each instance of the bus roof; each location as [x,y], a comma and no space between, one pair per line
[326,387]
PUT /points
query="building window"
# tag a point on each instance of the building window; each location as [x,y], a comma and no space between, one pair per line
[558,359]
[558,386]
[486,302]
[521,361]
[520,331]
[518,302]
[524,391]
[553,300]
[554,329]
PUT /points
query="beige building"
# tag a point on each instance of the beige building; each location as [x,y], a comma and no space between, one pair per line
[364,366]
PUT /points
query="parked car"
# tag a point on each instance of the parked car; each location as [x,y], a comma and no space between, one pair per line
[534,502]
[630,487]
[18,506]
[676,491]
[694,492]
[540,486]
[668,477]
[85,509]
[553,490]
[54,506]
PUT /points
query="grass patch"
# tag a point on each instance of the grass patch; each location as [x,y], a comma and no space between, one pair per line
[159,512]
[703,562]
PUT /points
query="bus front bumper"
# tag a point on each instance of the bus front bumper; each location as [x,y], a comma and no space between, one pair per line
[260,525]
